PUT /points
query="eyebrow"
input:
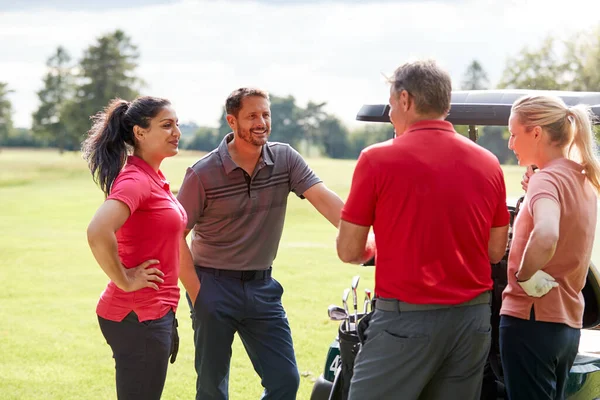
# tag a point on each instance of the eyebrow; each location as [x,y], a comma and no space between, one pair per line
[167,119]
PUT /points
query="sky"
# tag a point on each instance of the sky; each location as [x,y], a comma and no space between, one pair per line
[195,52]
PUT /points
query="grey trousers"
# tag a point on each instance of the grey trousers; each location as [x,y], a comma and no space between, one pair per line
[433,354]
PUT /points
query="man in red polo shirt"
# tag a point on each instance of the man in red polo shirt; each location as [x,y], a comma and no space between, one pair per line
[437,204]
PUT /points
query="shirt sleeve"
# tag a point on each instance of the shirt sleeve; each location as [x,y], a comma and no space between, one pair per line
[302,176]
[502,216]
[359,209]
[131,189]
[541,186]
[192,197]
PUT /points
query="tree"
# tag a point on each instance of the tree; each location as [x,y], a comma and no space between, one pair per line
[475,77]
[205,139]
[107,70]
[540,69]
[310,120]
[582,61]
[48,120]
[334,138]
[6,125]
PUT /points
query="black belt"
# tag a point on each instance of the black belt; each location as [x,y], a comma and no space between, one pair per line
[250,275]
[397,305]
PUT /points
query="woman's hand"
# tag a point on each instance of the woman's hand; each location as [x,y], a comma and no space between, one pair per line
[528,174]
[539,284]
[142,276]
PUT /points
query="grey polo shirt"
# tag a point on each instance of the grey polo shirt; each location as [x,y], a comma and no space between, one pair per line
[237,219]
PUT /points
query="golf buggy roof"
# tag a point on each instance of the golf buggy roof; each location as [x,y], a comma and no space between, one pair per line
[485,107]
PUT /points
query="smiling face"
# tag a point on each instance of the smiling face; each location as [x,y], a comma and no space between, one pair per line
[253,121]
[523,141]
[161,138]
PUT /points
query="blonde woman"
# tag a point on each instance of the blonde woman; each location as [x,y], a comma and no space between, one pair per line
[542,306]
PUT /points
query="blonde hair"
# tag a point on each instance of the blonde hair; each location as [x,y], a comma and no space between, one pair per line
[566,126]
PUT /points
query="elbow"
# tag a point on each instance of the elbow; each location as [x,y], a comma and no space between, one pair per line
[93,234]
[546,240]
[345,256]
[496,256]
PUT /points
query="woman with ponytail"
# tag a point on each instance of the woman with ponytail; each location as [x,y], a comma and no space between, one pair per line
[135,237]
[542,305]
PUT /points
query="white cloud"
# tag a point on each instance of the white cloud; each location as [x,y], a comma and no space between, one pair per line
[196,52]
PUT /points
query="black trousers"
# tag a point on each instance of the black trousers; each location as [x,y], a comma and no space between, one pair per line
[141,351]
[536,357]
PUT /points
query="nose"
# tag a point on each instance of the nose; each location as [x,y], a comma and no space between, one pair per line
[510,143]
[177,132]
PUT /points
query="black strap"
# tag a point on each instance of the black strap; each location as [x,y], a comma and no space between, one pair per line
[174,341]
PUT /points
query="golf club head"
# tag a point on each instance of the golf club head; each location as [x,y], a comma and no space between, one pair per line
[336,313]
[355,282]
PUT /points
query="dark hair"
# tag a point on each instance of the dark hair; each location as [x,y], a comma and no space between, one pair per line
[233,105]
[427,83]
[111,138]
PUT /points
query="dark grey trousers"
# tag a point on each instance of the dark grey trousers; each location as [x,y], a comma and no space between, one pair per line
[433,354]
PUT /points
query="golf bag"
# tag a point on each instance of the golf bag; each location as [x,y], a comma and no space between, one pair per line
[350,342]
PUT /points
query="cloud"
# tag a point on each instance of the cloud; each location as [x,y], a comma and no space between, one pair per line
[196,52]
[76,5]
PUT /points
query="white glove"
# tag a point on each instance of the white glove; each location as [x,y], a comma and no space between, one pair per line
[539,284]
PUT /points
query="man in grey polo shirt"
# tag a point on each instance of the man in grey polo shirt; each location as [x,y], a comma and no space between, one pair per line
[235,198]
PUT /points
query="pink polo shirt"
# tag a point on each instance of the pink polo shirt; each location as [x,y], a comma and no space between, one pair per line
[563,182]
[152,231]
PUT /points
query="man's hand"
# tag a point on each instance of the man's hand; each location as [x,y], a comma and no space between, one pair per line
[539,284]
[528,174]
[142,276]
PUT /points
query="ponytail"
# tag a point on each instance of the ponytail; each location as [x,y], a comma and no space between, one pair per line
[108,144]
[585,143]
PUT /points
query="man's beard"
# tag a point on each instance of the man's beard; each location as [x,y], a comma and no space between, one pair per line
[248,137]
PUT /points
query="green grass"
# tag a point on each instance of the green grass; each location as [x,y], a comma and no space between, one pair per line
[51,346]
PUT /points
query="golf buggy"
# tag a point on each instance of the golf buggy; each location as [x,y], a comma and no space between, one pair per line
[470,108]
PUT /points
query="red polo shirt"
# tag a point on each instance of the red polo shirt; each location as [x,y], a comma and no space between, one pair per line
[152,231]
[432,197]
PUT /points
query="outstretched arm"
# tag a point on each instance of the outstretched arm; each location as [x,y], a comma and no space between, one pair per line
[326,202]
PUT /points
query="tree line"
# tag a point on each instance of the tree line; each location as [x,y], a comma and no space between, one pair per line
[72,92]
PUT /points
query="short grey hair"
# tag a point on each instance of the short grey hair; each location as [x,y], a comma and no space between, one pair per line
[427,83]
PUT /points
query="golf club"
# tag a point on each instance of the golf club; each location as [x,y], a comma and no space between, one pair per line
[355,297]
[367,300]
[345,302]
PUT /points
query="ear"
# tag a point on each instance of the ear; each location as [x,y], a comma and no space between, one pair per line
[405,100]
[232,121]
[138,132]
[537,132]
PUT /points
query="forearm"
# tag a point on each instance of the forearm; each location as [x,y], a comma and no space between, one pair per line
[105,250]
[333,209]
[356,254]
[187,271]
[326,202]
[538,252]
